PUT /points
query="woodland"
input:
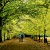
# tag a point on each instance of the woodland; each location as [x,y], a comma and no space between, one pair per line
[32,17]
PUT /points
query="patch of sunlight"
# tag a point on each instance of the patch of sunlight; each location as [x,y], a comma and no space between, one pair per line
[40,2]
[25,16]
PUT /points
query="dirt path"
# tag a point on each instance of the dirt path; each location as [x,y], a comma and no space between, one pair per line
[27,44]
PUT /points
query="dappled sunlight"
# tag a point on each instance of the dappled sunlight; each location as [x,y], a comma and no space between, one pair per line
[25,24]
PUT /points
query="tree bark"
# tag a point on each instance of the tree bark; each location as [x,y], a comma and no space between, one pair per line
[0,29]
[44,35]
[39,38]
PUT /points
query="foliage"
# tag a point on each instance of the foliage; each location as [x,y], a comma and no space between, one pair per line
[25,16]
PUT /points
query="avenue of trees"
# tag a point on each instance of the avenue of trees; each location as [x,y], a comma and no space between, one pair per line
[29,16]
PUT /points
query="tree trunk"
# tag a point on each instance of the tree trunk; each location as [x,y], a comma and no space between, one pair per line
[44,35]
[39,34]
[0,29]
[39,38]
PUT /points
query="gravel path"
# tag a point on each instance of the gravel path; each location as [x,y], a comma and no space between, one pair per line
[27,44]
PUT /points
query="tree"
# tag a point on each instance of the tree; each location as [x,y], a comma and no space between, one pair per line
[2,5]
[46,6]
[11,9]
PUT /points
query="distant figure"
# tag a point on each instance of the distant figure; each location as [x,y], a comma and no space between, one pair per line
[21,36]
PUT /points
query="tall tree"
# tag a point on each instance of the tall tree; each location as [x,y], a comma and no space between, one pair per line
[45,5]
[2,5]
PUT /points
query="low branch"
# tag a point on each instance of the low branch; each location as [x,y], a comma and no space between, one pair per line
[3,5]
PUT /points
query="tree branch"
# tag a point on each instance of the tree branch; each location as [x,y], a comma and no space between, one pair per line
[3,5]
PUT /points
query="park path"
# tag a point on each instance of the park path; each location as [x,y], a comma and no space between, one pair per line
[27,44]
[16,41]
